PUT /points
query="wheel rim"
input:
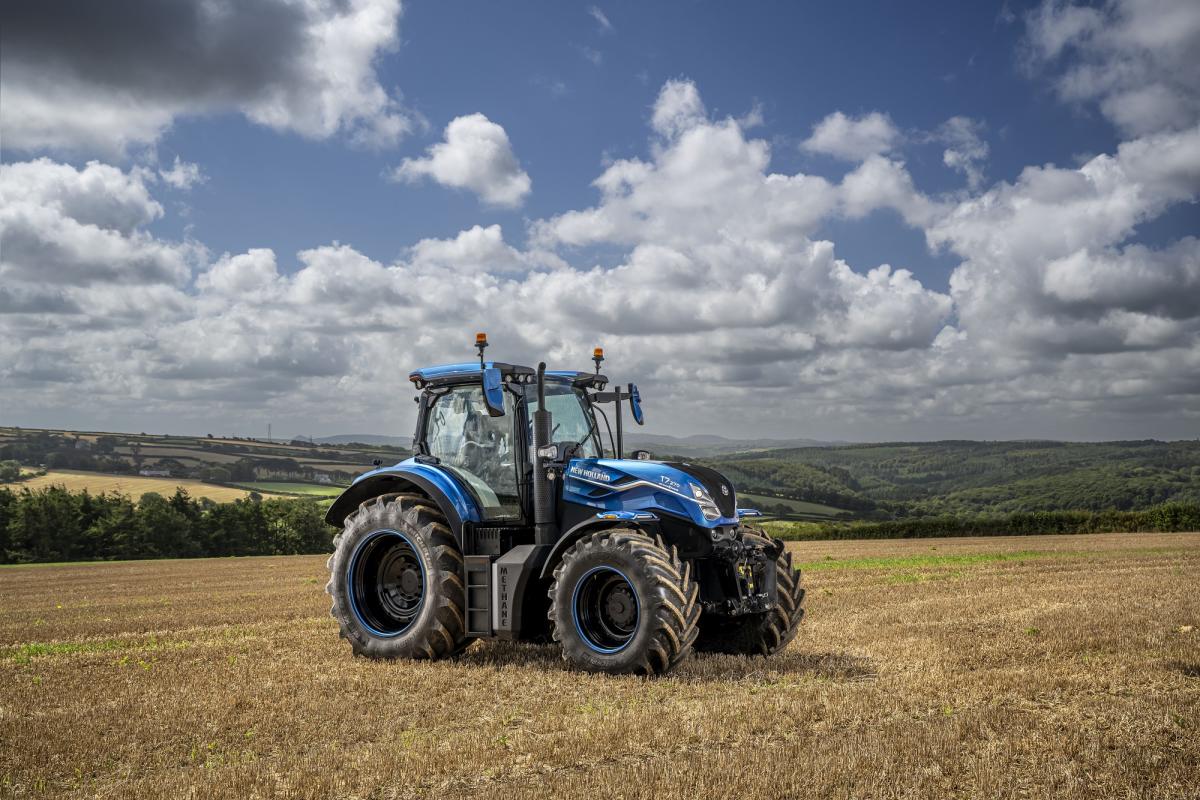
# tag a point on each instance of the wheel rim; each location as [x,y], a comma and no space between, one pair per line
[387,583]
[606,609]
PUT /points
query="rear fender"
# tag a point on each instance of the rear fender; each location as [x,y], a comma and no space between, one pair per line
[452,499]
[642,520]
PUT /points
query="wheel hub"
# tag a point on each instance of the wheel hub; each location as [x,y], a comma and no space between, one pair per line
[620,606]
[387,583]
[410,581]
[606,609]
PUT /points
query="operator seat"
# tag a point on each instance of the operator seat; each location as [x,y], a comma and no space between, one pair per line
[486,449]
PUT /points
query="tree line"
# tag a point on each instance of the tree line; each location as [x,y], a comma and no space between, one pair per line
[53,524]
[1165,518]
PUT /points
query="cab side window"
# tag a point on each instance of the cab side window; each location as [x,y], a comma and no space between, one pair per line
[478,448]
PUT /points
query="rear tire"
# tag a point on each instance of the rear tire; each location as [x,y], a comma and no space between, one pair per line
[622,603]
[759,634]
[395,579]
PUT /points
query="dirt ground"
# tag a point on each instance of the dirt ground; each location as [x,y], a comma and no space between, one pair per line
[1057,667]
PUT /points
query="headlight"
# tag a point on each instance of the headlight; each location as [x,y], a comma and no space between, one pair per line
[707,505]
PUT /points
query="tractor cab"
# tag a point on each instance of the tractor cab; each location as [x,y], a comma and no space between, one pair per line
[485,441]
[520,516]
[457,433]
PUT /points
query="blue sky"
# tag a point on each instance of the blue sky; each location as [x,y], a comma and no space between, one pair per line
[527,67]
[220,213]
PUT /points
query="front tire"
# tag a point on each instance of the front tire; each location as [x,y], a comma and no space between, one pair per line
[395,580]
[622,603]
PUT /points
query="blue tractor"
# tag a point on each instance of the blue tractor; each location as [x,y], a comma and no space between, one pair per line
[514,520]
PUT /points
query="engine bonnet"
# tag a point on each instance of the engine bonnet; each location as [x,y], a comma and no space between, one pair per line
[629,480]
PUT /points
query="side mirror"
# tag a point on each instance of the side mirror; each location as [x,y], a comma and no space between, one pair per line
[635,404]
[493,392]
[641,455]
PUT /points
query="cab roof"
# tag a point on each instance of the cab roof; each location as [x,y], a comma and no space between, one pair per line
[444,374]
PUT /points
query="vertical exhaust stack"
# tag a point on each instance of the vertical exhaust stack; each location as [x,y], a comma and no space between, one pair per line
[545,531]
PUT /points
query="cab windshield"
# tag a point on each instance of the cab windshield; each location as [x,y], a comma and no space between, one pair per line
[572,421]
[478,448]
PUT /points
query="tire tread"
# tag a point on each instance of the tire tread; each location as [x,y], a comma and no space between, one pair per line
[418,516]
[676,614]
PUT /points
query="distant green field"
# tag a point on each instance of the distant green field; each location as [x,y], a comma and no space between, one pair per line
[797,506]
[280,487]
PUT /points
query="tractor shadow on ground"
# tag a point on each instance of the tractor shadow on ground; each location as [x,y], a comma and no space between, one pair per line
[793,663]
[1190,669]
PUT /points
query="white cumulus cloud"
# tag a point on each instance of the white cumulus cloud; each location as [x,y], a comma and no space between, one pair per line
[111,75]
[1135,58]
[1044,272]
[966,149]
[182,175]
[475,155]
[78,227]
[677,108]
[853,139]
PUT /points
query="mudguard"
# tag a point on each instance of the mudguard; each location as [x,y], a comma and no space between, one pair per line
[452,498]
[605,519]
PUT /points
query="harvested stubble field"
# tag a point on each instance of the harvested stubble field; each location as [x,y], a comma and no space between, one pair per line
[1064,667]
[132,485]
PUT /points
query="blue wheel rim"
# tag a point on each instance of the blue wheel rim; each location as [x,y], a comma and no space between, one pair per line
[386,583]
[606,609]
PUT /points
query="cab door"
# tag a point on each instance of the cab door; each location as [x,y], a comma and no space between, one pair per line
[480,450]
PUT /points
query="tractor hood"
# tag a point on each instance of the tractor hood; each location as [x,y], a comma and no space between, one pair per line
[614,484]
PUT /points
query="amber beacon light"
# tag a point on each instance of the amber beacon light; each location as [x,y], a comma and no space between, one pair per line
[481,343]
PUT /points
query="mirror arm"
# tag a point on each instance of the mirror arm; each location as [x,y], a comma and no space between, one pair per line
[620,434]
[612,442]
[617,396]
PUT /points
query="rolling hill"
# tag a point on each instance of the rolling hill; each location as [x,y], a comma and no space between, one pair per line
[710,445]
[968,477]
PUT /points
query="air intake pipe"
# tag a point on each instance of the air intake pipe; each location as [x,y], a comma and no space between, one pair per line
[545,531]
